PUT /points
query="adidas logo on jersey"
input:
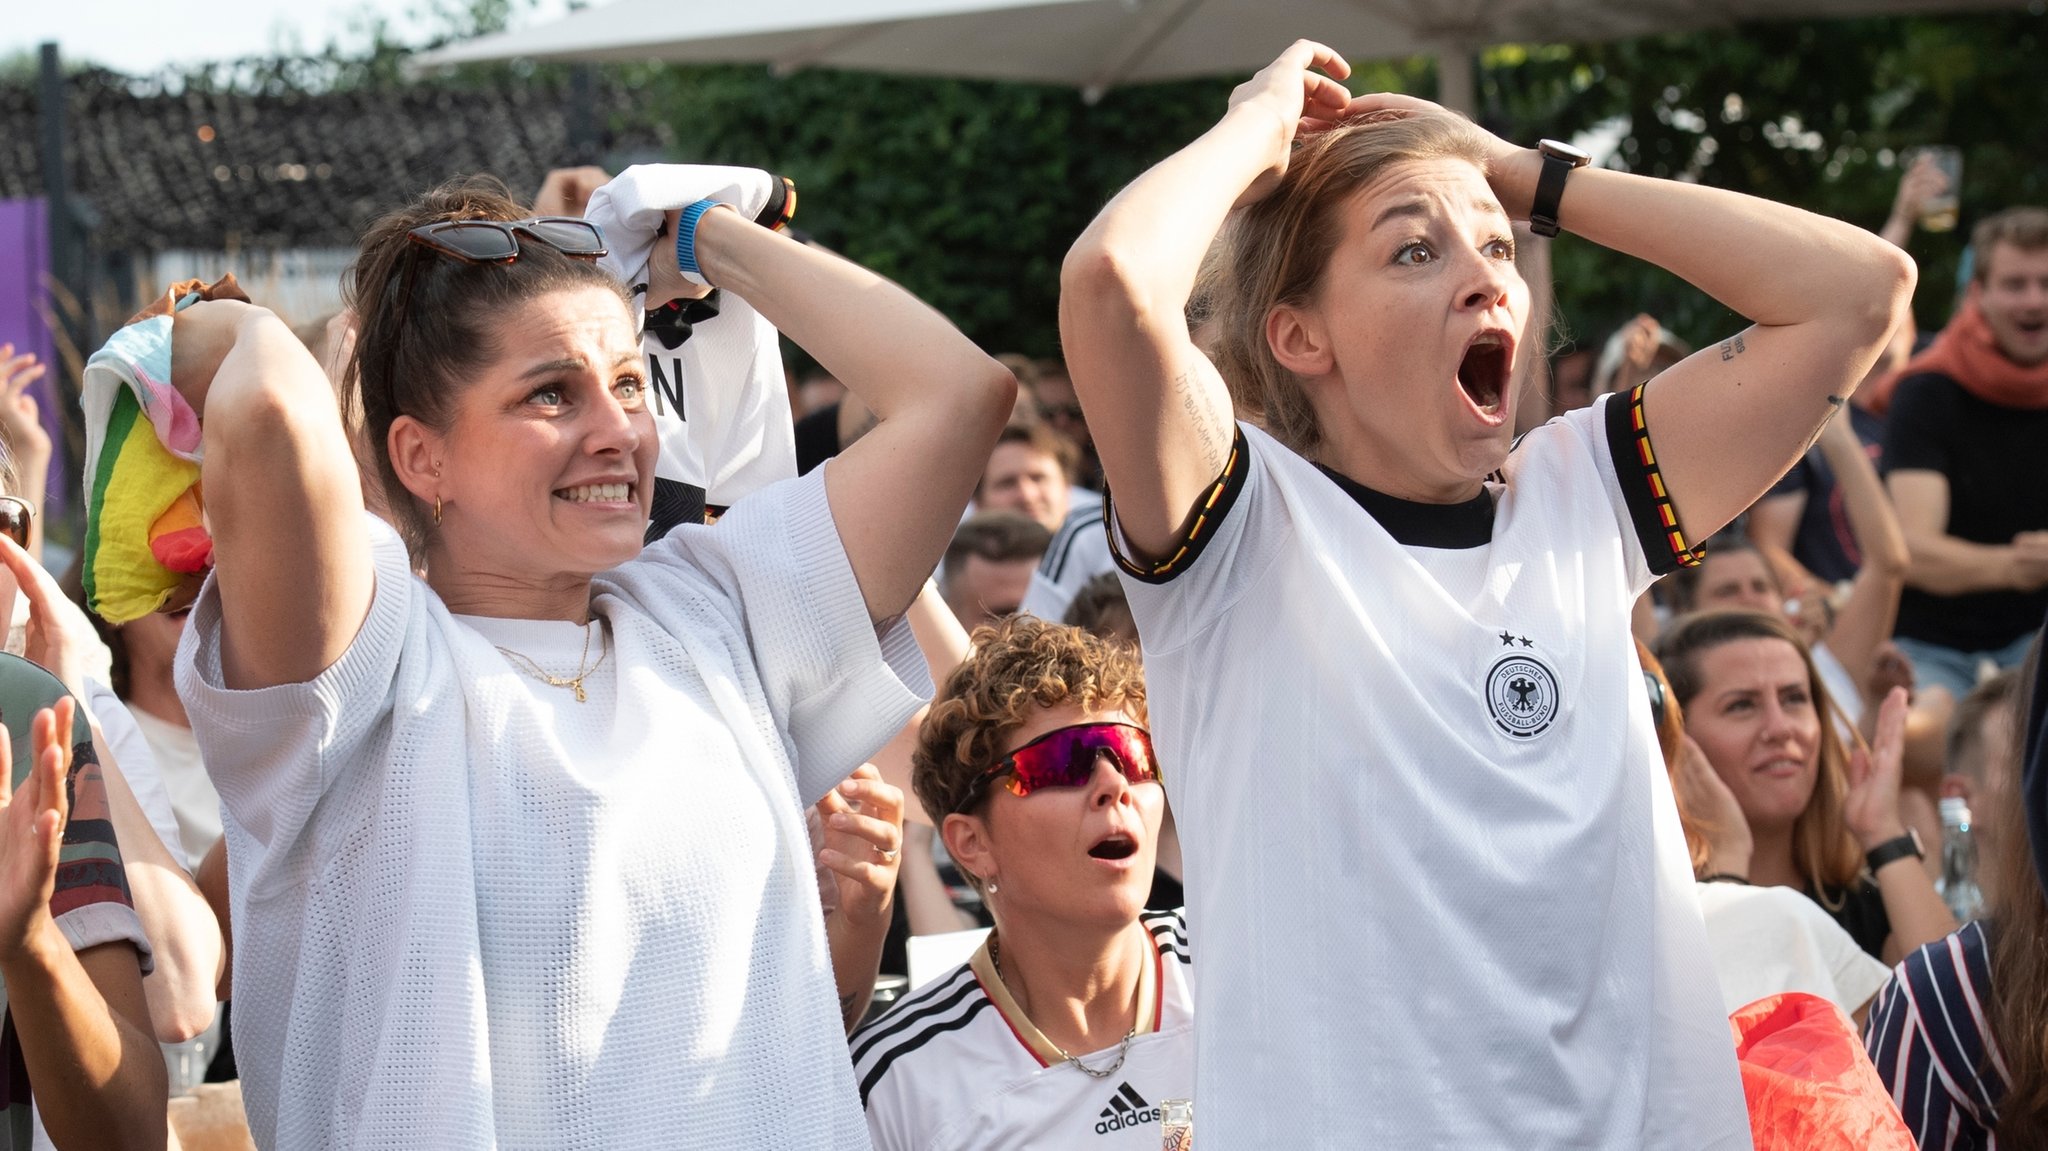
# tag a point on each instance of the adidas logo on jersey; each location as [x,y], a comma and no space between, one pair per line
[1126,1109]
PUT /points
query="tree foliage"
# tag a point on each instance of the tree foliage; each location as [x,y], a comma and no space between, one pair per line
[970,192]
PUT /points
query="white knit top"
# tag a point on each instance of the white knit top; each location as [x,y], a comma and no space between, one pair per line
[460,926]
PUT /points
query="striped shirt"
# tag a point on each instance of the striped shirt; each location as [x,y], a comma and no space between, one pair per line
[1930,1036]
[91,906]
[1079,552]
[958,1066]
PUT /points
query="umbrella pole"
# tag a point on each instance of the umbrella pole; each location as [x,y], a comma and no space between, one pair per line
[1456,84]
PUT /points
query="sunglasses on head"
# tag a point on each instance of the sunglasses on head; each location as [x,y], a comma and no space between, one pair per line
[1066,758]
[497,241]
[16,515]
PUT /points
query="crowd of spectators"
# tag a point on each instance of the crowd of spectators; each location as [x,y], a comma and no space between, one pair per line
[533,821]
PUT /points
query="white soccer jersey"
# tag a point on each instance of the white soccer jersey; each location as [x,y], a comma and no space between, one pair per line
[722,409]
[957,1067]
[1079,553]
[1436,875]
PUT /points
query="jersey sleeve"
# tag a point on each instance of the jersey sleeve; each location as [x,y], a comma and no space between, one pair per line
[1631,466]
[273,752]
[1912,437]
[1239,526]
[837,685]
[1924,1039]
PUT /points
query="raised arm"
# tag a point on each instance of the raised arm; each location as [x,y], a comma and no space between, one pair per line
[896,495]
[82,1019]
[283,500]
[1865,621]
[1159,412]
[1823,296]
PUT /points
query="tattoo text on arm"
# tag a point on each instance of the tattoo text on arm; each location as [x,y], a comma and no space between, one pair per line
[1732,348]
[1188,386]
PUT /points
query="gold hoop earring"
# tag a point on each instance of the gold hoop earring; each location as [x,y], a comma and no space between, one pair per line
[437,511]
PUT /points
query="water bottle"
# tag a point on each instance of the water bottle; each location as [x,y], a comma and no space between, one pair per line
[1177,1124]
[1958,885]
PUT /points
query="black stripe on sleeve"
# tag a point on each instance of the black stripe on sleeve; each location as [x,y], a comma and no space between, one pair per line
[1642,487]
[914,1042]
[1199,527]
[1053,566]
[940,997]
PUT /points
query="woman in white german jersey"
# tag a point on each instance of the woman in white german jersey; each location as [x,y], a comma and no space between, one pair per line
[1435,875]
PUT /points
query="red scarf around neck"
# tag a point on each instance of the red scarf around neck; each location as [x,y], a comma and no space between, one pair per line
[1966,353]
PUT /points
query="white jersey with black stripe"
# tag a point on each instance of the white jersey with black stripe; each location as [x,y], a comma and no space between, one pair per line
[722,410]
[956,1066]
[1434,868]
[1079,553]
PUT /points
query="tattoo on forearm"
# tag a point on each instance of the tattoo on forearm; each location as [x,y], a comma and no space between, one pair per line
[1732,348]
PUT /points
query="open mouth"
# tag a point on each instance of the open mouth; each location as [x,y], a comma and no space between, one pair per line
[596,493]
[1483,373]
[1116,846]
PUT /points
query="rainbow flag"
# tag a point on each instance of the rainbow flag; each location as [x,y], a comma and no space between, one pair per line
[145,531]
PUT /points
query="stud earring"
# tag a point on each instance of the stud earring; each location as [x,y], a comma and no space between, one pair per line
[992,888]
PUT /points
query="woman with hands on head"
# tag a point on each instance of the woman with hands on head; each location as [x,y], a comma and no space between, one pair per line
[1386,652]
[1817,816]
[517,848]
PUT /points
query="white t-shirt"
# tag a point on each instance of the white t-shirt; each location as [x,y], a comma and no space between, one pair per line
[721,408]
[471,912]
[138,764]
[1769,940]
[1436,875]
[957,1066]
[1079,553]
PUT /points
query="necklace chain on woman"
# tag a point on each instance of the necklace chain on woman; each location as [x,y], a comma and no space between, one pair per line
[572,682]
[995,960]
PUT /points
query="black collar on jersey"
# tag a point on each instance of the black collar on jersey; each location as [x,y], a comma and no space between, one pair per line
[1419,525]
[673,322]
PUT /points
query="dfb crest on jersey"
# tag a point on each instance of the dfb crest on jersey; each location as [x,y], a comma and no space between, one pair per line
[1521,692]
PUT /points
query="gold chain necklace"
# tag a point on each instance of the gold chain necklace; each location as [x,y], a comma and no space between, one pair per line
[995,960]
[572,682]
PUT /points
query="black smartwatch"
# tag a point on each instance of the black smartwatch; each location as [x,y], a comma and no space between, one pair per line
[1558,161]
[1893,850]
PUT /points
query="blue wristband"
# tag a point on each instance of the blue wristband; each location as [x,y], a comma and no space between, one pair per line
[686,236]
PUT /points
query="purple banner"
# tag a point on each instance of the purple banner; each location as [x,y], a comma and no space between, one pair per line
[24,262]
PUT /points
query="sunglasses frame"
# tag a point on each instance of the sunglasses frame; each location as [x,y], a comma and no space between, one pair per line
[427,235]
[1654,685]
[1007,766]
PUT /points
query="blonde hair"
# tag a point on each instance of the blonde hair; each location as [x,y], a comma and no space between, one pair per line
[1274,252]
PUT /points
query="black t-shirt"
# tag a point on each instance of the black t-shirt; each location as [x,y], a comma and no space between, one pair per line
[1861,913]
[1993,457]
[817,438]
[1823,541]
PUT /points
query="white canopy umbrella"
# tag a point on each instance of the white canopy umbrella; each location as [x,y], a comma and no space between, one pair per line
[1096,45]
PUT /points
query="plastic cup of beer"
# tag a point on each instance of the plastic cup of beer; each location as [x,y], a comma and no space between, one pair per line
[1177,1124]
[1938,213]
